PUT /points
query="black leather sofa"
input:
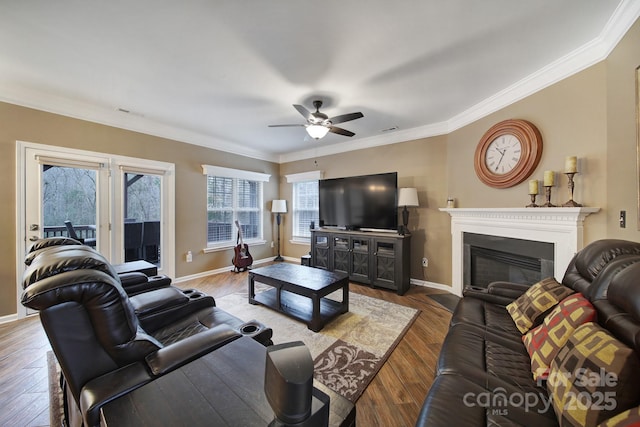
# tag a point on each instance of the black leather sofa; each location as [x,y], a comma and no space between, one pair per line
[108,342]
[484,372]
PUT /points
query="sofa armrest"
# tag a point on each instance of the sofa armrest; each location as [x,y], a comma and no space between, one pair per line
[507,289]
[158,300]
[483,294]
[103,389]
[184,351]
[132,278]
[502,293]
[153,320]
[136,282]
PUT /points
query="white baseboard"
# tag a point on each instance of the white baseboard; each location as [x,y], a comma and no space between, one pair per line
[225,270]
[8,318]
[432,285]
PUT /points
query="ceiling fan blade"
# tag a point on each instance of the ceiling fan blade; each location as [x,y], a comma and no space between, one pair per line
[305,113]
[340,131]
[284,126]
[346,117]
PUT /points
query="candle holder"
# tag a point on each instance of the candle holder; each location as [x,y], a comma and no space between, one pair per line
[571,203]
[533,201]
[547,193]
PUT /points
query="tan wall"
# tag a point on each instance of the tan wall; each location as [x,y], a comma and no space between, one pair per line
[420,164]
[622,182]
[18,123]
[571,118]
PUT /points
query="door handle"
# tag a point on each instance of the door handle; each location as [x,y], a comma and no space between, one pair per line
[34,238]
[34,227]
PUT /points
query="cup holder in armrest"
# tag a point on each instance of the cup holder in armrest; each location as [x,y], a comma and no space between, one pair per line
[257,331]
[193,294]
[251,328]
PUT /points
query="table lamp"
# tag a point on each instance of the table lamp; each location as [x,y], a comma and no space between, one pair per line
[407,197]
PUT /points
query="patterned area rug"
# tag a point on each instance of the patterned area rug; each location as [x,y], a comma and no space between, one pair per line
[350,350]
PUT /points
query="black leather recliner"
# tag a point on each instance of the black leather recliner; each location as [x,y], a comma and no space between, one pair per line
[108,343]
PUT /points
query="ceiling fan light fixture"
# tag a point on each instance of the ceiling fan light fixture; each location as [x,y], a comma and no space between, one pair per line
[317,131]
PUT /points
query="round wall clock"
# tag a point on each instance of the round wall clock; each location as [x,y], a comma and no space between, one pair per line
[508,153]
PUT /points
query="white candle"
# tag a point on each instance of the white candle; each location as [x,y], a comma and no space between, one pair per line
[533,186]
[549,178]
[571,164]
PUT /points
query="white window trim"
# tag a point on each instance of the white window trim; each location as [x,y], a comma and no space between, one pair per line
[304,176]
[300,241]
[237,174]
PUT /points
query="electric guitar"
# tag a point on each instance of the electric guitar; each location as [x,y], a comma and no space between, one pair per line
[241,258]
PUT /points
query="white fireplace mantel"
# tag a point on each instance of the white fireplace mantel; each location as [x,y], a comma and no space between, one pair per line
[561,226]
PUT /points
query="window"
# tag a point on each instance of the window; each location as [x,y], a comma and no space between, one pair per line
[305,208]
[305,203]
[233,195]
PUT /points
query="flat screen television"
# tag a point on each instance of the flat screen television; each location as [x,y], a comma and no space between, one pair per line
[359,202]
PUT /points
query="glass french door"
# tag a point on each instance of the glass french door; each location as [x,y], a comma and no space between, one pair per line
[142,216]
[66,196]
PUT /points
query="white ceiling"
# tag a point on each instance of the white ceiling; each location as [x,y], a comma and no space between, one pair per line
[216,73]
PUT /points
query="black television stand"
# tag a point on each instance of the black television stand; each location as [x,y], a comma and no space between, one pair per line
[377,258]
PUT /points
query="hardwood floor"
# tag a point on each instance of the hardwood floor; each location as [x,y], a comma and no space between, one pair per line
[23,374]
[393,398]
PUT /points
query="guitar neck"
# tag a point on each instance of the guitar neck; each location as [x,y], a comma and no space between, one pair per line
[239,233]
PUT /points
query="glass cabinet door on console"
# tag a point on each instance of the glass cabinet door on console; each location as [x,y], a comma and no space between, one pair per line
[360,248]
[384,272]
[351,256]
[320,251]
[341,253]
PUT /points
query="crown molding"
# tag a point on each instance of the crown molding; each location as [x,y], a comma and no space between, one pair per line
[369,142]
[55,104]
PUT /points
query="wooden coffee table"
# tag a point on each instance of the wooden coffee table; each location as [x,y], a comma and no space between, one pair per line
[300,291]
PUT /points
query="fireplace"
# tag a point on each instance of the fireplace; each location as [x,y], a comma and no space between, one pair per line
[562,228]
[493,258]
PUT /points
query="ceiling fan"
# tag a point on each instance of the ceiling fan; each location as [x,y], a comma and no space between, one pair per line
[319,124]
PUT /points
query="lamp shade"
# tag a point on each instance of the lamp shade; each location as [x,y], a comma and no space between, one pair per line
[279,206]
[317,131]
[408,197]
